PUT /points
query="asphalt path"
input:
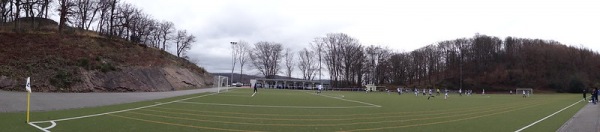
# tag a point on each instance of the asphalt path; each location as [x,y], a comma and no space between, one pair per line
[17,101]
[586,120]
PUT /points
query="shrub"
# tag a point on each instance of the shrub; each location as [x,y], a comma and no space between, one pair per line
[63,79]
[106,67]
[84,62]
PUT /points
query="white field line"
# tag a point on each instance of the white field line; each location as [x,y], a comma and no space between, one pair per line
[273,106]
[372,105]
[236,95]
[38,127]
[538,121]
[112,112]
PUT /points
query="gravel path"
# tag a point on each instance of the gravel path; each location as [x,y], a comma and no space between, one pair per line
[16,101]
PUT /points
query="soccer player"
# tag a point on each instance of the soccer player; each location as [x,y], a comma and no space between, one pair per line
[430,94]
[424,92]
[399,91]
[320,87]
[524,96]
[595,96]
[446,94]
[255,88]
[460,91]
[438,92]
[584,94]
[510,92]
[469,92]
[483,92]
[416,92]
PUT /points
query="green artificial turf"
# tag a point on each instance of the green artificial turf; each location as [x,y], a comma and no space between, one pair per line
[298,110]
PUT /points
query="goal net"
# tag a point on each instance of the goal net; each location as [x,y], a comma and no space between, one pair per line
[221,83]
[527,91]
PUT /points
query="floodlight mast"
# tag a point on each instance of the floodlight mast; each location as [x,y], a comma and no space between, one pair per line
[232,61]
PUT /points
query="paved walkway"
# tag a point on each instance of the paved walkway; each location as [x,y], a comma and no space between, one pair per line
[16,101]
[586,120]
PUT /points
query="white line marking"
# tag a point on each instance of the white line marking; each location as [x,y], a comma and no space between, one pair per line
[79,117]
[38,127]
[373,105]
[538,121]
[234,95]
[51,126]
[273,106]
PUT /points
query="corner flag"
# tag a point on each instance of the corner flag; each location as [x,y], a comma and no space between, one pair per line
[28,85]
[28,88]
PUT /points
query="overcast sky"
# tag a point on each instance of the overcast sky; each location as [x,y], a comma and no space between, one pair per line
[402,25]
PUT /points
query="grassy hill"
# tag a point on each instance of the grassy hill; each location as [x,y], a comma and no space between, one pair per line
[85,62]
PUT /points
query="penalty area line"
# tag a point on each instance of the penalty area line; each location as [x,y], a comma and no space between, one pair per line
[365,103]
[538,121]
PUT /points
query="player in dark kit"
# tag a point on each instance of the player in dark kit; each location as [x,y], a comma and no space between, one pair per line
[255,90]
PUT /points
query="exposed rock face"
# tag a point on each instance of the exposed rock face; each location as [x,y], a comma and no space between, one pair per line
[6,82]
[141,79]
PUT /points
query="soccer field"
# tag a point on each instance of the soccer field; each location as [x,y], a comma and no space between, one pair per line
[298,110]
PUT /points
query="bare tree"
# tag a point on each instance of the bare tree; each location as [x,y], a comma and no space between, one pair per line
[5,10]
[18,13]
[307,65]
[342,55]
[289,62]
[84,13]
[318,47]
[184,42]
[65,10]
[113,7]
[243,56]
[166,29]
[45,8]
[266,57]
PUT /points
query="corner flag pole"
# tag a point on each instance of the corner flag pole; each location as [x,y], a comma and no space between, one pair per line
[28,95]
[28,88]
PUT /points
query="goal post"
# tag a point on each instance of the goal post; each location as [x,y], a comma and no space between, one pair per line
[527,91]
[221,83]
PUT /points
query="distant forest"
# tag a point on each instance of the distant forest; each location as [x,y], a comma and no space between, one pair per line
[480,62]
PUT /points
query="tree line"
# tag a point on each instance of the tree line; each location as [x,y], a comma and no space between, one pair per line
[482,61]
[110,18]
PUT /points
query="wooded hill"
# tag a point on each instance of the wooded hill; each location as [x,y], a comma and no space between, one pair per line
[491,63]
[96,45]
[84,61]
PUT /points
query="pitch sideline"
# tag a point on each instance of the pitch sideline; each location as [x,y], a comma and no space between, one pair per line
[540,120]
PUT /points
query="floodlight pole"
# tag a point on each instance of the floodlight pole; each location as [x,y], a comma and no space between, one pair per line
[373,57]
[461,69]
[232,61]
[320,79]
